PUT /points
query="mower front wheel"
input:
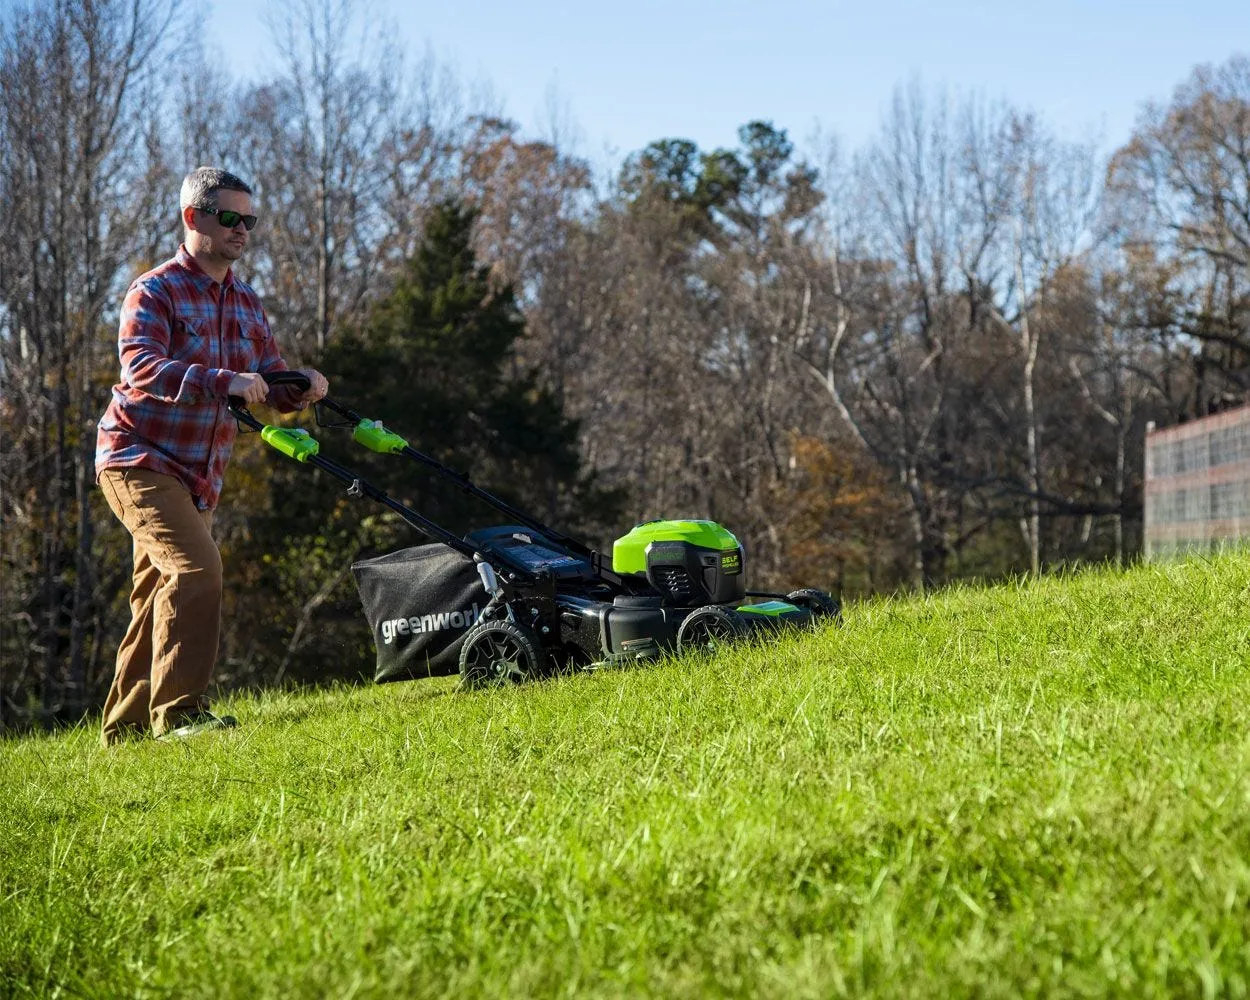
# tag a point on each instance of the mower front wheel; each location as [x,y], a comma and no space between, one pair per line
[500,652]
[709,628]
[820,604]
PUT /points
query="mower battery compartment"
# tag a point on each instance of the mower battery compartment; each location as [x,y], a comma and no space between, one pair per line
[527,550]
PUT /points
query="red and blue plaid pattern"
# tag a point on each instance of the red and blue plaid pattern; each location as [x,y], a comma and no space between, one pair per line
[183,338]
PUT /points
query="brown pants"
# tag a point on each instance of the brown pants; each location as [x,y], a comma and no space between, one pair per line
[166,659]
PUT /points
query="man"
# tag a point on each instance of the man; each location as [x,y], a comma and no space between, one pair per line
[192,335]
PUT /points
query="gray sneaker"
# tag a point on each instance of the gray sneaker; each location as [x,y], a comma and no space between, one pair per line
[200,722]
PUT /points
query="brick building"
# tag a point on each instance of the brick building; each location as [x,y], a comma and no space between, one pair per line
[1198,484]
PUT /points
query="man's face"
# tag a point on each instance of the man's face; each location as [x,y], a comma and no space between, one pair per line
[216,238]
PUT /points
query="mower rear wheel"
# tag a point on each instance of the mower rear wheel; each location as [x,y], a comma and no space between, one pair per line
[710,628]
[820,604]
[500,652]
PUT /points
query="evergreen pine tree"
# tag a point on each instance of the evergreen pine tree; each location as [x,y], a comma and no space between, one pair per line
[437,362]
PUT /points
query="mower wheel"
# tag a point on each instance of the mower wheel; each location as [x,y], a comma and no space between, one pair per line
[820,604]
[500,652]
[710,627]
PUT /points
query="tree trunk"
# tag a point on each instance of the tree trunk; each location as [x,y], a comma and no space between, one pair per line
[1029,343]
[1121,450]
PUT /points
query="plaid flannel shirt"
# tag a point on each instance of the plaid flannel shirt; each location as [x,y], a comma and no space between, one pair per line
[183,337]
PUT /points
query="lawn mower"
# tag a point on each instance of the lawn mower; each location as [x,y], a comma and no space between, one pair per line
[523,600]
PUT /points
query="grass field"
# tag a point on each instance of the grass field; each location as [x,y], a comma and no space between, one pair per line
[1031,789]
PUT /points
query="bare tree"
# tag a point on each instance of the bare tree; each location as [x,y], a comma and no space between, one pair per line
[885,331]
[1181,187]
[315,139]
[1053,211]
[943,238]
[79,145]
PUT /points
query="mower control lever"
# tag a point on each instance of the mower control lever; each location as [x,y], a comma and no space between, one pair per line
[294,442]
[369,433]
[377,438]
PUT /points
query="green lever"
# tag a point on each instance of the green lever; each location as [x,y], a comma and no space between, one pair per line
[377,438]
[294,442]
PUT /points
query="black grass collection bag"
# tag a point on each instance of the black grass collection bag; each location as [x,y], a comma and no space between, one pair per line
[420,603]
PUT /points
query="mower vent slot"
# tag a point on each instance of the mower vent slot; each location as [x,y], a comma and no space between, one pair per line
[675,581]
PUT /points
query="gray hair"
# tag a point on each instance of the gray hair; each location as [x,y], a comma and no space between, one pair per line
[200,187]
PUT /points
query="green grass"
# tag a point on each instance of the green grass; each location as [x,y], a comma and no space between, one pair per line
[1032,789]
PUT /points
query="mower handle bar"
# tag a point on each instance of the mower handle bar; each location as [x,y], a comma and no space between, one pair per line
[471,488]
[297,379]
[356,485]
[238,408]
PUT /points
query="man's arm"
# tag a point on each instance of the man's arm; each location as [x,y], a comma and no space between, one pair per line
[143,345]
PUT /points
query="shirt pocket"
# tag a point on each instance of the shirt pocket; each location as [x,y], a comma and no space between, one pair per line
[190,341]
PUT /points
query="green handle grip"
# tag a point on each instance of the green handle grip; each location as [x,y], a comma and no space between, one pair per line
[377,438]
[294,442]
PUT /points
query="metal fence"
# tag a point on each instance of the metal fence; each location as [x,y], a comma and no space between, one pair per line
[1198,484]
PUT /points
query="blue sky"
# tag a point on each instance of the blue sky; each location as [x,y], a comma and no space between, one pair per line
[628,74]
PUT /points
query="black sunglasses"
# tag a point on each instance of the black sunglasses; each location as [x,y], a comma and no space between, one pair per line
[231,219]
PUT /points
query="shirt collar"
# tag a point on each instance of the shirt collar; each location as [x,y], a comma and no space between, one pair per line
[203,280]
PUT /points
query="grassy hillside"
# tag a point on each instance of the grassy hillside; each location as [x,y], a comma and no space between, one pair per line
[1041,788]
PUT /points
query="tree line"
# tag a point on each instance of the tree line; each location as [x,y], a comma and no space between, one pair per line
[926,359]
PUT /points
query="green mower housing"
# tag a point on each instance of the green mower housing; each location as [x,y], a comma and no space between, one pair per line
[691,563]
